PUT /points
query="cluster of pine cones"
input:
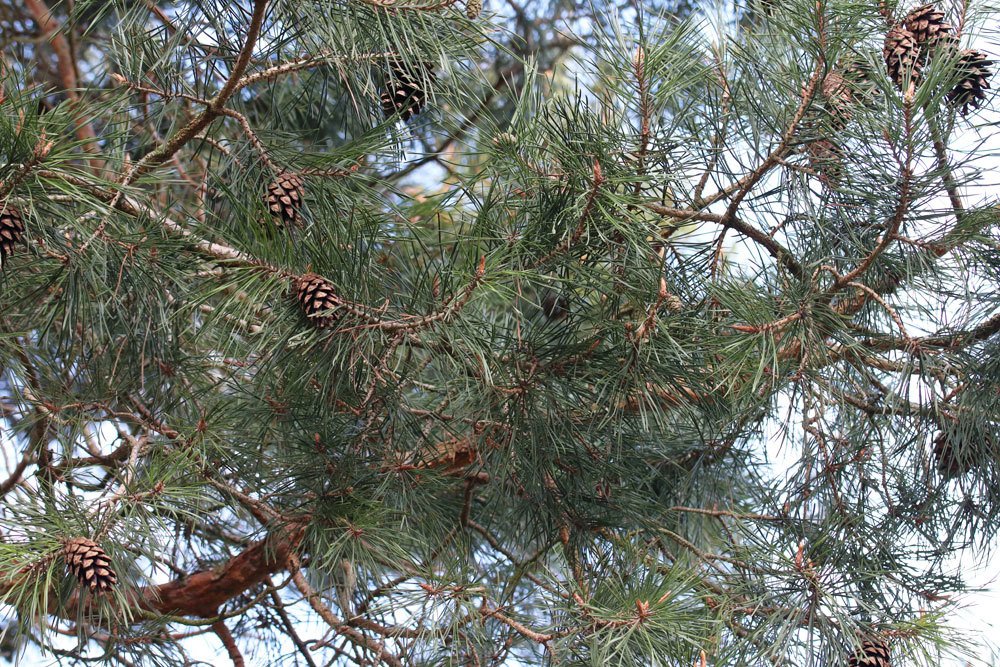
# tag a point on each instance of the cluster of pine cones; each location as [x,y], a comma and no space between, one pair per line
[404,96]
[86,559]
[316,295]
[911,43]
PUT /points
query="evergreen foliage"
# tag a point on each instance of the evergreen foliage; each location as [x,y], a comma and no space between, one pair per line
[654,338]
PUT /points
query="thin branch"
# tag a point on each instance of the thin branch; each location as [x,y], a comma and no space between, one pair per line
[227,640]
[902,205]
[165,151]
[775,249]
[353,635]
[279,607]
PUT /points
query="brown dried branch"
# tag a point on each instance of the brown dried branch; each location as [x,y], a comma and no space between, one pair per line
[200,594]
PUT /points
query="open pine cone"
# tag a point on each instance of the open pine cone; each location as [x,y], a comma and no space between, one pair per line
[902,54]
[284,198]
[11,231]
[88,561]
[928,27]
[318,299]
[873,653]
[404,94]
[970,91]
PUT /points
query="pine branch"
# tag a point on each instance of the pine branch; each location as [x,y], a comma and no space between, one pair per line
[335,623]
[199,594]
[775,249]
[227,640]
[166,150]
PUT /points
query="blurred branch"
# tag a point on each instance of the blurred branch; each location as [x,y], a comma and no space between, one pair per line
[66,65]
[220,629]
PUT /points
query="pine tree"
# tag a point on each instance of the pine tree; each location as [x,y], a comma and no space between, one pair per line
[570,336]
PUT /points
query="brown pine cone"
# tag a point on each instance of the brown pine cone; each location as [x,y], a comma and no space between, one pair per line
[11,231]
[88,561]
[318,299]
[928,27]
[838,99]
[974,68]
[404,94]
[555,306]
[873,653]
[902,55]
[826,158]
[945,458]
[284,198]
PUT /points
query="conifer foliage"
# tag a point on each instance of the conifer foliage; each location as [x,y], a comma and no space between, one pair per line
[441,332]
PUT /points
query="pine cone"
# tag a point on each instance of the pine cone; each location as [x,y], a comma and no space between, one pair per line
[839,99]
[555,306]
[11,231]
[403,94]
[284,198]
[948,464]
[860,80]
[318,299]
[902,55]
[873,653]
[928,27]
[89,563]
[954,458]
[473,8]
[826,158]
[970,91]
